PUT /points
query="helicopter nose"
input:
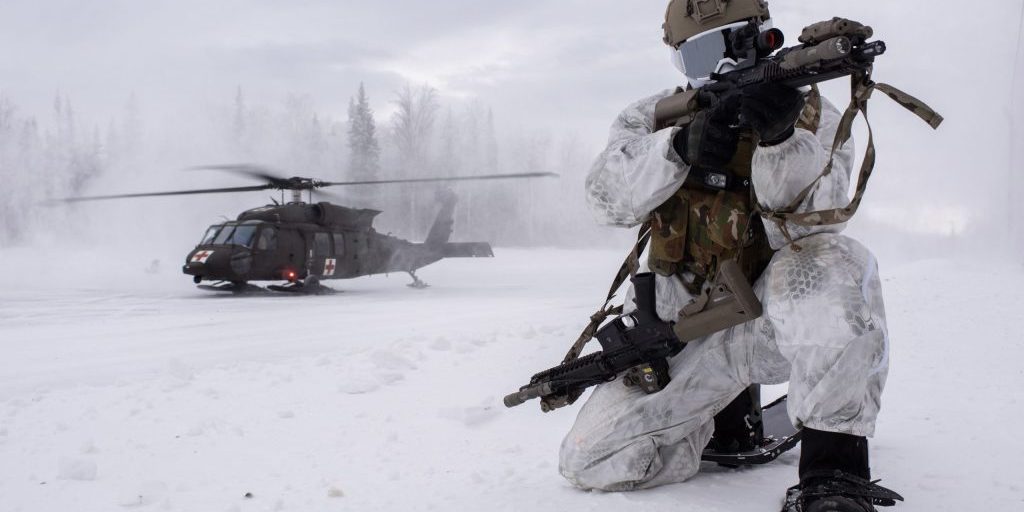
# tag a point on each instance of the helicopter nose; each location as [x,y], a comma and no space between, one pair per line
[209,263]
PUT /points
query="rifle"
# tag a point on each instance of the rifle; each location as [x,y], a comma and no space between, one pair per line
[829,50]
[640,343]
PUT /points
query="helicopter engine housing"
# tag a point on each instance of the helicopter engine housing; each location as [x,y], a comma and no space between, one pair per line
[327,214]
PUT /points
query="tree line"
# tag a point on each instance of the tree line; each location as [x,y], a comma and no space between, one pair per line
[421,136]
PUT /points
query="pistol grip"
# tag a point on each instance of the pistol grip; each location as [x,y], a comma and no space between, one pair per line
[644,290]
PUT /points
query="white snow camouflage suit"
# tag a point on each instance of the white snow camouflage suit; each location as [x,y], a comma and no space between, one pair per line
[823,327]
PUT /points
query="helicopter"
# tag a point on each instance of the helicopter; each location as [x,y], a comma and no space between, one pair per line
[304,243]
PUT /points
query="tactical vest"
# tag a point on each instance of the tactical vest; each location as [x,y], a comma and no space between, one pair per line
[711,218]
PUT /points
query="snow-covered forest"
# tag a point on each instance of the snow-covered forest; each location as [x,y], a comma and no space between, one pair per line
[65,155]
[52,158]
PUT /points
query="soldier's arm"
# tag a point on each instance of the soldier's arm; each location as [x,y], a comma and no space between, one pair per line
[639,169]
[781,172]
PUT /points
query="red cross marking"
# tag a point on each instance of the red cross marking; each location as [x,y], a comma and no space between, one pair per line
[200,257]
[329,267]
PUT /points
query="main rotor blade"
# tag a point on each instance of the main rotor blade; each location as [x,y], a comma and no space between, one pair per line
[450,178]
[250,170]
[173,193]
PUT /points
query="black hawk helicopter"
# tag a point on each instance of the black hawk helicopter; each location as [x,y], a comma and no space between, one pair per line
[305,243]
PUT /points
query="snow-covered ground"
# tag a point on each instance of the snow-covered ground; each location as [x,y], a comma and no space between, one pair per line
[144,393]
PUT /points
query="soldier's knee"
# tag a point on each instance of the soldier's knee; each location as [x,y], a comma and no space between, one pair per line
[828,268]
[824,295]
[817,262]
[622,470]
[642,463]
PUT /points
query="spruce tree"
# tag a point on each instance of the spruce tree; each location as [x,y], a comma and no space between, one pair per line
[364,157]
[412,129]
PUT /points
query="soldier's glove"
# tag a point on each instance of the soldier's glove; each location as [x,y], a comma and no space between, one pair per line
[772,111]
[709,140]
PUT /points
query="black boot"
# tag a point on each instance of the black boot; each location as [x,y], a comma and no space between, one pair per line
[835,476]
[829,451]
[738,427]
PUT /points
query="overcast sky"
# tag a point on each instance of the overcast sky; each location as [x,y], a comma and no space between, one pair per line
[547,62]
[553,66]
[532,60]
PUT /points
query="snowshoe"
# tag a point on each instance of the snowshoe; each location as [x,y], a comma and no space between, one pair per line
[837,492]
[775,436]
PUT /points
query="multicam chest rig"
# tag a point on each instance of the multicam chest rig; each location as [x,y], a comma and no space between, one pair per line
[713,218]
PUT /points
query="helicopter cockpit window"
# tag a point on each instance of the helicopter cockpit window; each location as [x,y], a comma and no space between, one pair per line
[321,244]
[211,234]
[244,235]
[224,236]
[339,245]
[267,240]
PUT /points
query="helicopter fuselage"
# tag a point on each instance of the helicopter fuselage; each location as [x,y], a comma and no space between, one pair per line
[297,241]
[309,242]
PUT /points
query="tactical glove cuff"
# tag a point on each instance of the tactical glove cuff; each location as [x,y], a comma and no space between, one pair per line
[780,139]
[772,111]
[708,141]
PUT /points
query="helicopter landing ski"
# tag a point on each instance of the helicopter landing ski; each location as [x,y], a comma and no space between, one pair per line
[234,288]
[302,287]
[310,286]
[417,283]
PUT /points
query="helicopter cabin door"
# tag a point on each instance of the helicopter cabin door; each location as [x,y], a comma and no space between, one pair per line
[346,267]
[290,253]
[356,252]
[322,262]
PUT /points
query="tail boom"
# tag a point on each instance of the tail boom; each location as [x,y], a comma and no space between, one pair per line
[467,250]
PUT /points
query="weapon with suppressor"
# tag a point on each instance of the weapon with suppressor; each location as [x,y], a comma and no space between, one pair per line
[640,343]
[830,49]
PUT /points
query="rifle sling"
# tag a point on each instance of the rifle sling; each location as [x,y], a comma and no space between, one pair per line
[861,90]
[629,268]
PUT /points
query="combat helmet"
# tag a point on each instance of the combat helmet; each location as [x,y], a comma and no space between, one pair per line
[698,32]
[687,18]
